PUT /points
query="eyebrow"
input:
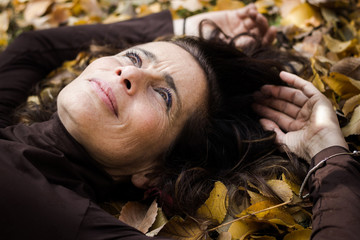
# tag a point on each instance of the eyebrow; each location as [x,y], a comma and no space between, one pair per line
[168,78]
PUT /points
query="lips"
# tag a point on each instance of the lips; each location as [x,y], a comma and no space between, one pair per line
[105,93]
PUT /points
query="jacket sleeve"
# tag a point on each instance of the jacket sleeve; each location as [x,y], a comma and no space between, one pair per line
[335,192]
[36,53]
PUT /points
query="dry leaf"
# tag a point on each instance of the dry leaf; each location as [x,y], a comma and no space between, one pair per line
[302,16]
[282,189]
[293,186]
[191,5]
[349,66]
[350,104]
[302,234]
[353,127]
[256,197]
[178,228]
[215,206]
[274,215]
[228,4]
[224,236]
[139,215]
[341,85]
[241,229]
[159,223]
[36,8]
[4,20]
[338,46]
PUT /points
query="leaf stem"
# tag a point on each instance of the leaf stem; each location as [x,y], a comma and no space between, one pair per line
[248,215]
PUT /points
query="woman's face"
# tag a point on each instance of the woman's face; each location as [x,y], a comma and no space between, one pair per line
[127,109]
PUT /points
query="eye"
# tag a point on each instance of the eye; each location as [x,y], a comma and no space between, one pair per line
[134,58]
[166,95]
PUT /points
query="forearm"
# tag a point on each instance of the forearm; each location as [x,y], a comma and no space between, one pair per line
[335,191]
[34,54]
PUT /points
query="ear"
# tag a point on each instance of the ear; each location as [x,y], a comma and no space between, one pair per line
[141,181]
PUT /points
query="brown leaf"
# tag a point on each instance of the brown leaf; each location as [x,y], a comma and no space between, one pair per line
[139,215]
[353,127]
[350,104]
[188,229]
[349,66]
[224,236]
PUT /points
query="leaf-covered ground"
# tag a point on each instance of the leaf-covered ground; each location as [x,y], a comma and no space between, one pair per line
[326,31]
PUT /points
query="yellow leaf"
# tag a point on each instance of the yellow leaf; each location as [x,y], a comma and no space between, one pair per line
[139,215]
[341,85]
[293,186]
[282,189]
[338,46]
[303,15]
[350,104]
[263,5]
[159,223]
[215,206]
[274,215]
[303,234]
[353,127]
[178,228]
[256,197]
[262,238]
[241,229]
[227,5]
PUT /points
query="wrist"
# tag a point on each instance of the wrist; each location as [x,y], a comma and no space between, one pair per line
[178,25]
[326,140]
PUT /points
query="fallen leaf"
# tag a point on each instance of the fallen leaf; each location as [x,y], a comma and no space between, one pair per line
[215,206]
[349,66]
[228,5]
[139,215]
[341,85]
[224,236]
[337,46]
[302,234]
[350,104]
[353,127]
[282,189]
[178,228]
[303,16]
[36,8]
[242,228]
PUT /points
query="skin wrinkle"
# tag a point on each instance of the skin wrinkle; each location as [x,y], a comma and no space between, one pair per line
[132,142]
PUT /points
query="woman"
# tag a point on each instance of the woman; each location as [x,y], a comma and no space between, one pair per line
[63,167]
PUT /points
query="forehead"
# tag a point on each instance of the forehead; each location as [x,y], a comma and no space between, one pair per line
[188,76]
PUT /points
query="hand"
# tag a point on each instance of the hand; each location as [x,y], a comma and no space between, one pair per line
[302,118]
[233,22]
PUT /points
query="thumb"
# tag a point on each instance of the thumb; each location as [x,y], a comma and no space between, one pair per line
[272,126]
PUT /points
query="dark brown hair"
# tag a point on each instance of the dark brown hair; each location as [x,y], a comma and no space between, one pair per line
[224,143]
[227,142]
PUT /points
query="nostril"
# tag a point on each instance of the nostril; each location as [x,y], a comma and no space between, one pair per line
[127,83]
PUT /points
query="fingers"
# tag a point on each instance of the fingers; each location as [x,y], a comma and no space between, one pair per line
[288,94]
[269,36]
[283,119]
[305,86]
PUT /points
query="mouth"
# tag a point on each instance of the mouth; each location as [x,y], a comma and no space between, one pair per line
[106,94]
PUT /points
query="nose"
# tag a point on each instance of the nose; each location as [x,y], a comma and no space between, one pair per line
[132,78]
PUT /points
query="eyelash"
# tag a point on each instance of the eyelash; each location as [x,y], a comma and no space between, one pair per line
[163,92]
[166,95]
[134,58]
